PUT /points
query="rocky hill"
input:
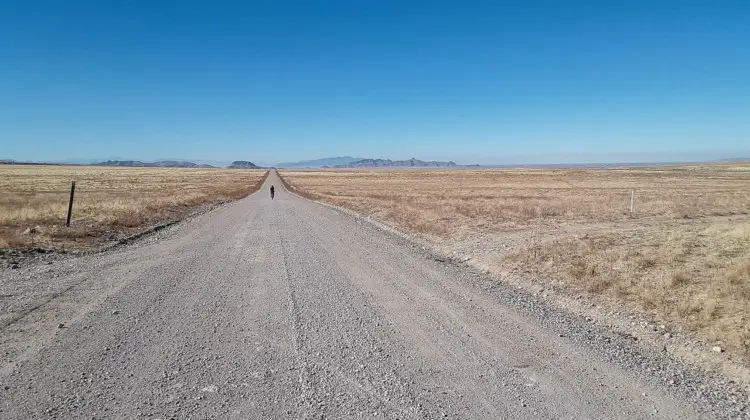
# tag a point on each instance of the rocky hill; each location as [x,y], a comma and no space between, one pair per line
[387,163]
[243,164]
[319,163]
[159,164]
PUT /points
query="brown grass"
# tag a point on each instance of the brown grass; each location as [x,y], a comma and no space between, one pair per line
[446,203]
[695,275]
[682,258]
[109,202]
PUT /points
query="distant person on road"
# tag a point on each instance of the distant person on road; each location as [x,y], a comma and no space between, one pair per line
[272,192]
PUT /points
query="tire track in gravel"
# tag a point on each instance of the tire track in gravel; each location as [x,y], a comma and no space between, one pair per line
[363,372]
[295,326]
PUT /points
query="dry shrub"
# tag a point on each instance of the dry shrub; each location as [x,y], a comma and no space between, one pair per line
[739,280]
[679,279]
[740,275]
[646,262]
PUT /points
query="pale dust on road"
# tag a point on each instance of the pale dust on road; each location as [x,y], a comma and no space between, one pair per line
[287,309]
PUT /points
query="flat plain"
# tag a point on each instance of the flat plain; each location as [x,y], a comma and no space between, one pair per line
[681,258]
[283,308]
[109,201]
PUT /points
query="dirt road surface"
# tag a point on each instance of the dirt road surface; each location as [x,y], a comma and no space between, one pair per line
[286,309]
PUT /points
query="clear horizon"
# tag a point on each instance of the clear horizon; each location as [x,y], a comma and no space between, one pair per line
[476,83]
[521,160]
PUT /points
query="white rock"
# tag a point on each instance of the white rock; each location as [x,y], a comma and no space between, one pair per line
[210,388]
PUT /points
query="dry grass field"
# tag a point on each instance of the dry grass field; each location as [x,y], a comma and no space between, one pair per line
[109,201]
[682,258]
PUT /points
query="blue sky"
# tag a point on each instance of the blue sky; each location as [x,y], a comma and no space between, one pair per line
[476,82]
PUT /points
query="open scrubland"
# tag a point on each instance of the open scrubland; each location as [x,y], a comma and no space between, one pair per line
[682,258]
[109,201]
[282,308]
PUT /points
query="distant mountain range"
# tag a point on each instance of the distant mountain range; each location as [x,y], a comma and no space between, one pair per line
[158,164]
[238,164]
[318,163]
[351,162]
[387,163]
[243,164]
[347,162]
[745,159]
[88,161]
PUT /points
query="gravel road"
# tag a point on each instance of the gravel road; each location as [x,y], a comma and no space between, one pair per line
[287,309]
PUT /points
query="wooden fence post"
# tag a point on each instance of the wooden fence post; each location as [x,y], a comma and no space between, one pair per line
[632,201]
[70,203]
